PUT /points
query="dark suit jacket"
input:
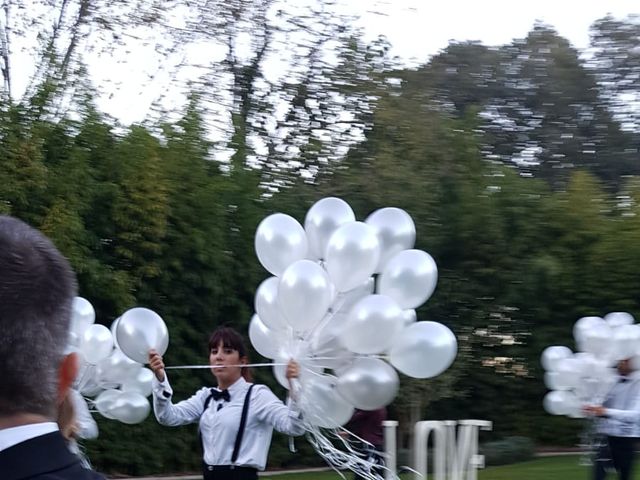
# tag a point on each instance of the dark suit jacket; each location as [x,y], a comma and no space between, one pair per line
[43,458]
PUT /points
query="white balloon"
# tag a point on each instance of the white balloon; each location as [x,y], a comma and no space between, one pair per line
[113,328]
[141,383]
[569,373]
[368,383]
[409,277]
[372,324]
[263,339]
[597,340]
[91,388]
[116,368]
[292,348]
[266,304]
[304,294]
[617,319]
[424,349]
[130,408]
[140,330]
[409,317]
[556,403]
[589,365]
[552,355]
[346,300]
[626,341]
[322,405]
[573,406]
[352,255]
[396,232]
[280,241]
[322,220]
[82,315]
[327,343]
[583,325]
[105,401]
[551,380]
[96,343]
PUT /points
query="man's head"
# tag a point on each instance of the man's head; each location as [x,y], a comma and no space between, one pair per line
[625,367]
[37,287]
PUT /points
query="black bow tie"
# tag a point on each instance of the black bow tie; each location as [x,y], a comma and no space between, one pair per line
[623,380]
[224,394]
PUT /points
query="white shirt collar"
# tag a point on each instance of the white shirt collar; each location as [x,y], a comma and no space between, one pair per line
[14,435]
[237,387]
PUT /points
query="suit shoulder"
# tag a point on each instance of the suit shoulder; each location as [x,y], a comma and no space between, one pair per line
[74,473]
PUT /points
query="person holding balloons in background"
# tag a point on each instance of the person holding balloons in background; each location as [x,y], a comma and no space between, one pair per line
[236,420]
[620,423]
[366,425]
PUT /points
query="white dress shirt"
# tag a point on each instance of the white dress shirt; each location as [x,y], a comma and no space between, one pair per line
[14,435]
[622,408]
[219,426]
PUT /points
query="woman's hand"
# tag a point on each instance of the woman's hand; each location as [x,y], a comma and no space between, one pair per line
[595,410]
[293,370]
[157,365]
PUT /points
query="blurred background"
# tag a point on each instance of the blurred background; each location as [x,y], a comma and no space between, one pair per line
[149,138]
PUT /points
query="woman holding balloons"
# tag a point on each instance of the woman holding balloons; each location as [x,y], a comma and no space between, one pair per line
[236,419]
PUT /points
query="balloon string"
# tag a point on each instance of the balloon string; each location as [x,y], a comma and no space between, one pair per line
[271,364]
[86,375]
[358,460]
[383,357]
[185,367]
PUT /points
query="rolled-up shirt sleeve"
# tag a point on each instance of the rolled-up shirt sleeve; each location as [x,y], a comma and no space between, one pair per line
[270,409]
[184,412]
[629,416]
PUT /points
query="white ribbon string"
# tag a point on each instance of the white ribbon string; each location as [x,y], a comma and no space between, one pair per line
[351,458]
[185,367]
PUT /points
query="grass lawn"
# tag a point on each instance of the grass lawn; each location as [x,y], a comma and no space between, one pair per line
[549,468]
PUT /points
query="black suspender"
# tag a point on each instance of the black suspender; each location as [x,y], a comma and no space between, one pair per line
[243,421]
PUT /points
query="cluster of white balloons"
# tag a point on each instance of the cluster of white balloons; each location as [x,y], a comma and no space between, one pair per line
[342,298]
[111,360]
[585,377]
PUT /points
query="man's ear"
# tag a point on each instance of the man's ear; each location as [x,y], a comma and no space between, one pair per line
[67,374]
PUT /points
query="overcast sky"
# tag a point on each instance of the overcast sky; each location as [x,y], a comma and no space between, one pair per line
[419,28]
[416,28]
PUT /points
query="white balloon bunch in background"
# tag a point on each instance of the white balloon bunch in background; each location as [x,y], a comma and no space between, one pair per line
[585,378]
[342,302]
[111,360]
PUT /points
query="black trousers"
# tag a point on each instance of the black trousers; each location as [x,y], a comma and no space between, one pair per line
[617,453]
[228,472]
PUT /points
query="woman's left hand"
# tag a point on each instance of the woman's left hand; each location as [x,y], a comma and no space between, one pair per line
[293,370]
[292,373]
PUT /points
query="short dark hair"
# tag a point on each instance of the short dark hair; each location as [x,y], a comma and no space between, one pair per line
[37,287]
[230,338]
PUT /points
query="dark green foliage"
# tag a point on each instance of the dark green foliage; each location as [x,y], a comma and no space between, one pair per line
[506,451]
